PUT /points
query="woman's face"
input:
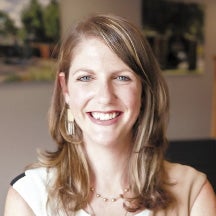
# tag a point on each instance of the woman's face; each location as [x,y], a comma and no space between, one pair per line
[104,94]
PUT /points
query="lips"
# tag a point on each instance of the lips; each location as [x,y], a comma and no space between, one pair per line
[104,116]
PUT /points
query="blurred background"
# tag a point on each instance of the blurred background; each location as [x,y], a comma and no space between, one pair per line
[182,35]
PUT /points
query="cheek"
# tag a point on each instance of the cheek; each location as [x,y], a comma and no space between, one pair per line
[78,98]
[133,98]
[76,101]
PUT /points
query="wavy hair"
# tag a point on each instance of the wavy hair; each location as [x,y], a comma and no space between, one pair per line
[146,174]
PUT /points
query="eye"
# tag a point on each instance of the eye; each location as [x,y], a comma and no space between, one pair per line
[85,78]
[123,78]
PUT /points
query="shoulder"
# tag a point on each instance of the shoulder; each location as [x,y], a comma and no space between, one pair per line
[205,203]
[185,183]
[182,174]
[16,205]
[32,187]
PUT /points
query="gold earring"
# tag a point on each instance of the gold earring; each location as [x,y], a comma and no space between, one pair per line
[70,128]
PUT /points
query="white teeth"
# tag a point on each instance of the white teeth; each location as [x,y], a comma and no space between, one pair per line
[104,116]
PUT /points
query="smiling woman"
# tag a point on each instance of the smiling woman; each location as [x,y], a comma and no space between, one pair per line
[102,91]
[108,117]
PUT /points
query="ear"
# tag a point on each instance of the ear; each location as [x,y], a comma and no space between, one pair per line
[64,87]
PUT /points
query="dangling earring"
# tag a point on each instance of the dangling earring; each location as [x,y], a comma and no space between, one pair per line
[70,123]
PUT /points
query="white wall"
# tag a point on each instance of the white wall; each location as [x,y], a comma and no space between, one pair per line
[72,10]
[23,128]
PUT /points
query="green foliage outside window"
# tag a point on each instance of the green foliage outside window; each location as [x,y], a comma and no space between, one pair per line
[6,25]
[41,24]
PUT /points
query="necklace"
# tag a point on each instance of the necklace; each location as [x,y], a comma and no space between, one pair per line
[92,212]
[113,199]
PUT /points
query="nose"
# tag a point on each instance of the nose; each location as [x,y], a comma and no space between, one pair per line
[105,92]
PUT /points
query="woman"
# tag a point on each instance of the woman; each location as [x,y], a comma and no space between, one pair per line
[108,116]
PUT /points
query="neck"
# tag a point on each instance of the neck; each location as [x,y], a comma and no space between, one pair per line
[108,164]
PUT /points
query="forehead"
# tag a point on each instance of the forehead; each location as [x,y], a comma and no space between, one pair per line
[93,50]
[89,43]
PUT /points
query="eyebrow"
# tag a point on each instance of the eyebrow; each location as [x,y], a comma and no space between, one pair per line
[92,71]
[82,70]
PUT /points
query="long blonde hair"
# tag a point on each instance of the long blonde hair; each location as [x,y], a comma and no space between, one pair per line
[145,169]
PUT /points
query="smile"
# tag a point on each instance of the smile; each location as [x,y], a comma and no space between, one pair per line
[104,116]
